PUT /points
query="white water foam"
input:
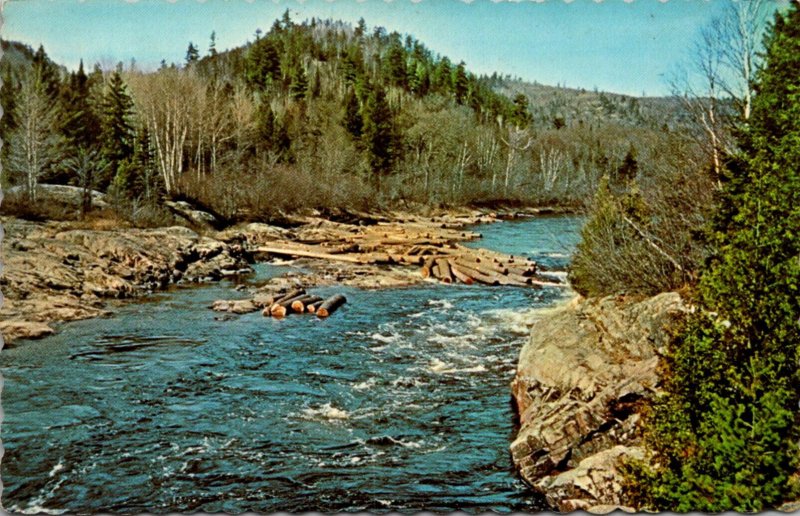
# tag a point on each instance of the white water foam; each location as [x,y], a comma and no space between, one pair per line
[360,386]
[58,467]
[442,303]
[440,367]
[326,411]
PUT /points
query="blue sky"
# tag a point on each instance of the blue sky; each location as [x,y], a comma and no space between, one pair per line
[614,45]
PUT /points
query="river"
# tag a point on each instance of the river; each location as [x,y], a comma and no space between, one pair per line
[398,402]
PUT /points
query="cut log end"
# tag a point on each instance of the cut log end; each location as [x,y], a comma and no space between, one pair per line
[330,305]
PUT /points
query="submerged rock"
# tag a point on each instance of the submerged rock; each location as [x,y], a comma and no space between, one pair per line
[581,380]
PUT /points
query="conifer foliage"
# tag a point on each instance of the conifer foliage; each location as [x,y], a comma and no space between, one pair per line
[725,433]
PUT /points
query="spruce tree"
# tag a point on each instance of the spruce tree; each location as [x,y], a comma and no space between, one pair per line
[117,130]
[298,88]
[352,114]
[379,133]
[192,54]
[460,83]
[395,65]
[521,115]
[80,124]
[47,71]
[725,433]
[212,45]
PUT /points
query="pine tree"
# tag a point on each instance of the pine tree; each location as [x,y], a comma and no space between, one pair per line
[298,88]
[192,54]
[396,65]
[352,114]
[80,126]
[47,71]
[725,433]
[460,83]
[629,168]
[117,129]
[266,124]
[262,64]
[379,134]
[521,115]
[212,45]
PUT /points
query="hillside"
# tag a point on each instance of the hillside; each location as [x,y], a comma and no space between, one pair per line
[575,106]
[328,116]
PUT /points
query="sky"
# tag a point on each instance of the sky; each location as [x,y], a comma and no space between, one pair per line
[622,46]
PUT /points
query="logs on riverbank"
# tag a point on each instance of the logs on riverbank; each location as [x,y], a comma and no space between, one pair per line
[434,249]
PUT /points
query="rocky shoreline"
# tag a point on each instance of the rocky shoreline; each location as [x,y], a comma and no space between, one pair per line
[55,272]
[582,379]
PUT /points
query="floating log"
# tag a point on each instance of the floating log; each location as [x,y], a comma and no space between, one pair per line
[267,312]
[495,266]
[288,295]
[313,307]
[280,308]
[548,284]
[443,266]
[330,305]
[299,305]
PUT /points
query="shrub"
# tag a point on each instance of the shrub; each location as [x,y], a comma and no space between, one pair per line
[724,434]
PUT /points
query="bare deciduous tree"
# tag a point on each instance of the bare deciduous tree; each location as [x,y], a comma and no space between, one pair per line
[518,141]
[716,85]
[34,144]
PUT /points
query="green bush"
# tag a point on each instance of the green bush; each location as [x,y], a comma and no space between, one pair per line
[724,434]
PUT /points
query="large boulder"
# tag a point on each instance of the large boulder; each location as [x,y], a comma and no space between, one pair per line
[581,381]
[187,211]
[65,194]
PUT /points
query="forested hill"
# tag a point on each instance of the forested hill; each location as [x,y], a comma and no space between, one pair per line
[318,114]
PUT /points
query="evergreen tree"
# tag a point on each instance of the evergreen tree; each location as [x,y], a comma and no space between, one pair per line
[266,124]
[286,20]
[726,433]
[521,115]
[441,80]
[379,133]
[395,65]
[47,71]
[212,46]
[192,54]
[117,130]
[352,114]
[460,83]
[360,30]
[298,88]
[629,168]
[262,64]
[80,126]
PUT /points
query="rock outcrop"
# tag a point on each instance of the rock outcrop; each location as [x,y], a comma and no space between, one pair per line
[53,272]
[580,383]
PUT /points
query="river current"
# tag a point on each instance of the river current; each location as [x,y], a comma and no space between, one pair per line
[398,402]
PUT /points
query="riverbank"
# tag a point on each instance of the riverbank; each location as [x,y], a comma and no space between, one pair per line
[56,272]
[589,368]
[399,402]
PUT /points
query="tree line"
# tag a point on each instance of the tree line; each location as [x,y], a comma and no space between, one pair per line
[311,115]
